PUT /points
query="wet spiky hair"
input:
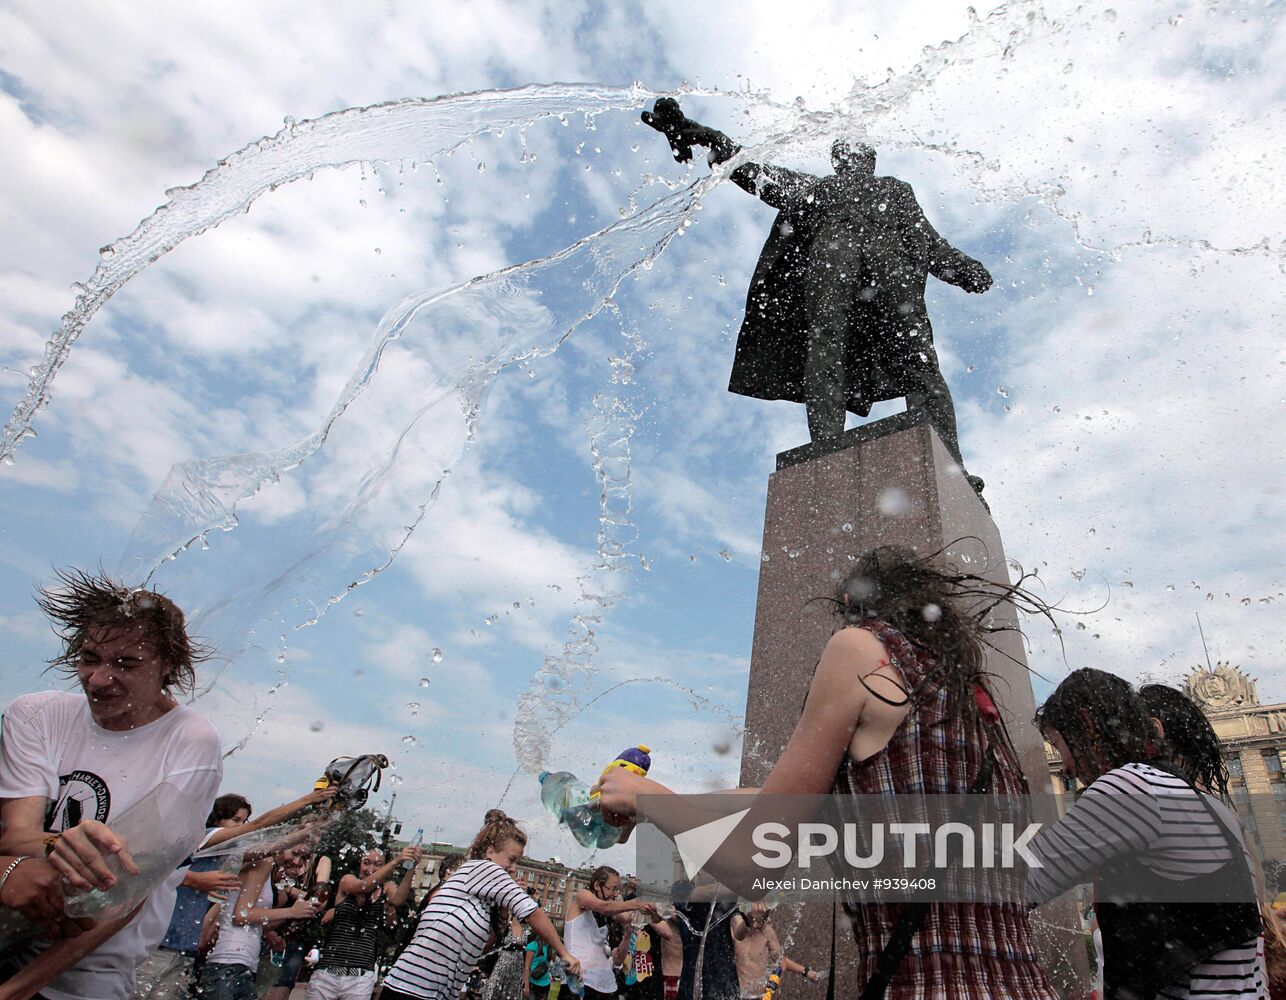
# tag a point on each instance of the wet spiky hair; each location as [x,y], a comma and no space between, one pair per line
[943,612]
[81,601]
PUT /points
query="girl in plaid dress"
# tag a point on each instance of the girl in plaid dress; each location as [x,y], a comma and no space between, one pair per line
[898,704]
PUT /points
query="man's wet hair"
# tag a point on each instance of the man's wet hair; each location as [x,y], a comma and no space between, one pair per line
[1189,734]
[81,601]
[600,875]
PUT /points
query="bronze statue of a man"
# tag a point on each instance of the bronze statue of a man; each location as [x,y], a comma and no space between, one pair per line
[835,315]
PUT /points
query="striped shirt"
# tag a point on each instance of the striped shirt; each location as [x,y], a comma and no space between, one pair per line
[353,934]
[453,931]
[1142,811]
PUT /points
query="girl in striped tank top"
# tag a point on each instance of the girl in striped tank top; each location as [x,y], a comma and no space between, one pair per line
[363,903]
[1175,898]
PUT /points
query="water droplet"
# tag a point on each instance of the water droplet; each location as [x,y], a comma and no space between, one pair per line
[1245,601]
[1002,391]
[1127,584]
[410,740]
[424,682]
[482,167]
[414,706]
[893,502]
[317,727]
[931,612]
[1080,626]
[971,369]
[847,528]
[725,555]
[437,655]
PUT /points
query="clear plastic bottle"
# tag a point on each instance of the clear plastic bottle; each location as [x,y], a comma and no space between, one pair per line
[567,799]
[416,842]
[559,974]
[570,801]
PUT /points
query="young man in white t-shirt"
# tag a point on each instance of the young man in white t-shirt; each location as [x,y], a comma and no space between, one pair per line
[71,761]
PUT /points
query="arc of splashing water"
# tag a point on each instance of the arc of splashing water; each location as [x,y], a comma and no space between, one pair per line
[413,130]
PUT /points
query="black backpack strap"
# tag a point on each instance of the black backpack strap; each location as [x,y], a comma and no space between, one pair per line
[911,919]
[830,979]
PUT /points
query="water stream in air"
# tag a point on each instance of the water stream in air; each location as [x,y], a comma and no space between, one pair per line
[373,468]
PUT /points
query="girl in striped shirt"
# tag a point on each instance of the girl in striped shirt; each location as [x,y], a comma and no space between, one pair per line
[1175,897]
[453,929]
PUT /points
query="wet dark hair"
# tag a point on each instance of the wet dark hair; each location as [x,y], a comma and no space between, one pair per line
[227,806]
[943,612]
[600,875]
[497,830]
[1097,713]
[1189,734]
[82,601]
[449,864]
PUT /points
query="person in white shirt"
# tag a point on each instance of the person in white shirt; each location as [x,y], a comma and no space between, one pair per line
[71,761]
[588,914]
[229,970]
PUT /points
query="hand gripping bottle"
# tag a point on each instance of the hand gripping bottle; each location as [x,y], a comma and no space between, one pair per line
[567,798]
[559,974]
[637,759]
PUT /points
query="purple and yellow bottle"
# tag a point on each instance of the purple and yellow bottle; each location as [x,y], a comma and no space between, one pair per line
[636,759]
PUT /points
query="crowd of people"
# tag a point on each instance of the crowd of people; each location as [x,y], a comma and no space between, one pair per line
[900,703]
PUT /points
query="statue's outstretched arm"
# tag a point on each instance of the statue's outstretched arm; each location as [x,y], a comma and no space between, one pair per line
[943,261]
[775,185]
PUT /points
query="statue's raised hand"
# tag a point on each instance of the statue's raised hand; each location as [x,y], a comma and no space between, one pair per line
[668,118]
[975,278]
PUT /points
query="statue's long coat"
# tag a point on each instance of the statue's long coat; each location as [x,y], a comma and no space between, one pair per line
[889,343]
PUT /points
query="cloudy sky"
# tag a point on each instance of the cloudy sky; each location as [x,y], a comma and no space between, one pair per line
[1119,388]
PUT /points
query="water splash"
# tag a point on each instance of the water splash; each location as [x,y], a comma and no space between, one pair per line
[378,463]
[366,495]
[553,696]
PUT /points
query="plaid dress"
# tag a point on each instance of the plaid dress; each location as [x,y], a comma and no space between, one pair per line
[962,949]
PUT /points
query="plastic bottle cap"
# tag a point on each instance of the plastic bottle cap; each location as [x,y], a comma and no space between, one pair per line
[645,748]
[542,776]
